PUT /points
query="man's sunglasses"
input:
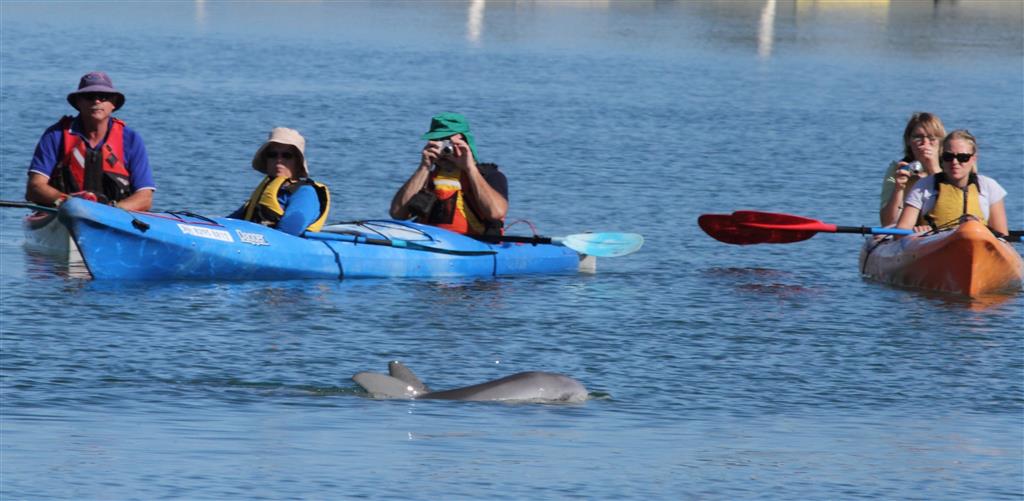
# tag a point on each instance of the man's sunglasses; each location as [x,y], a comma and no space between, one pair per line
[960,157]
[97,96]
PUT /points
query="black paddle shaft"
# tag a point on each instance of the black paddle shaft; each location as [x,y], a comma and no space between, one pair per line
[862,230]
[1014,236]
[26,205]
[535,240]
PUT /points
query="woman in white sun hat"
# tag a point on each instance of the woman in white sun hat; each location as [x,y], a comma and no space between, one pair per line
[286,199]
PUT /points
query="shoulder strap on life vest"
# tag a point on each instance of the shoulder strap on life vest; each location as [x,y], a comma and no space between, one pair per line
[952,202]
[263,207]
[61,177]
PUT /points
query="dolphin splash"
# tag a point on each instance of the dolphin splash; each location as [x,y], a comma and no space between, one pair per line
[400,382]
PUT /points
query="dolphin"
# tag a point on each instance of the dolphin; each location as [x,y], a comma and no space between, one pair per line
[400,382]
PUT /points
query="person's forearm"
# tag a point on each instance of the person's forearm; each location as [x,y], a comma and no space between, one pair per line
[997,218]
[140,200]
[908,217]
[890,212]
[413,185]
[39,191]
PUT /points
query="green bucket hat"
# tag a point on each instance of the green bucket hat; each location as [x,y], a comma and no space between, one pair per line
[447,125]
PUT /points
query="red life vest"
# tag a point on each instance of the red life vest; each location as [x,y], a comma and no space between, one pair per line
[100,171]
[452,211]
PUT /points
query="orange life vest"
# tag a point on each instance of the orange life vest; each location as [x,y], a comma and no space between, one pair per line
[452,211]
[100,171]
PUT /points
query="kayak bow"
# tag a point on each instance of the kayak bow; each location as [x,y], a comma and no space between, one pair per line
[967,260]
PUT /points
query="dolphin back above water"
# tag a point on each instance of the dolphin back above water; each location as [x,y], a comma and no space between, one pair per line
[521,387]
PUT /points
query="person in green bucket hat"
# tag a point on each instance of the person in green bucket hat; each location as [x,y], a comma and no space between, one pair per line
[449,189]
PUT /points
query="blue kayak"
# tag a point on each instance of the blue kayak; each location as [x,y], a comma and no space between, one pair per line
[128,245]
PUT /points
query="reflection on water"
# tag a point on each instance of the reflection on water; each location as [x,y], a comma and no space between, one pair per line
[454,293]
[42,265]
[200,13]
[475,21]
[766,30]
[776,289]
[761,273]
[298,291]
[988,303]
[949,301]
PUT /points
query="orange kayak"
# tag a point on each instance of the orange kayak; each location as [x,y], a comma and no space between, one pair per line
[967,260]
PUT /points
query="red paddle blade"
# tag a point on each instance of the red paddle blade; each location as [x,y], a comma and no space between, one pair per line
[782,222]
[725,228]
[721,227]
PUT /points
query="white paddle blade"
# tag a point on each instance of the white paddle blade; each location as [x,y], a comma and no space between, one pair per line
[606,244]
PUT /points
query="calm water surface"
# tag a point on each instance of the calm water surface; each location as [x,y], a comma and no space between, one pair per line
[716,372]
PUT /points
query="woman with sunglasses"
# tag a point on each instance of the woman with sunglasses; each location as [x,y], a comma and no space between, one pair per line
[921,139]
[286,199]
[92,155]
[941,200]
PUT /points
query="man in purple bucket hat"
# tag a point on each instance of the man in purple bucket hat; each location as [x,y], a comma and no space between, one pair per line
[92,155]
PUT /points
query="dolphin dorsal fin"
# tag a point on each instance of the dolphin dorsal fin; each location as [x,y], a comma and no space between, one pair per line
[400,371]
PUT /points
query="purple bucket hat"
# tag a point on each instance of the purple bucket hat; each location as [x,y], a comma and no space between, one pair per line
[97,81]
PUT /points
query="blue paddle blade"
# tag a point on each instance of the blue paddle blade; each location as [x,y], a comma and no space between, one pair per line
[607,244]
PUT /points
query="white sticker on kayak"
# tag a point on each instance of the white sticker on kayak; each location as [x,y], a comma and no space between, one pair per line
[199,231]
[252,238]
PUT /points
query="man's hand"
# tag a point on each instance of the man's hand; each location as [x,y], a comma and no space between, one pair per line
[431,152]
[86,195]
[462,155]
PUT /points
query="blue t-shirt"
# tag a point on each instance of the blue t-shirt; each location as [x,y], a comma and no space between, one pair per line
[301,209]
[48,151]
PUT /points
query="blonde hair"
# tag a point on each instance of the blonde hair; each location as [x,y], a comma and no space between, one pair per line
[927,121]
[965,136]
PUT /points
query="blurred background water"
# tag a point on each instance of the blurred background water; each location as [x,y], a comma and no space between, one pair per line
[717,372]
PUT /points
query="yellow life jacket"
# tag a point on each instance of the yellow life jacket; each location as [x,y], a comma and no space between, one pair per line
[264,208]
[953,202]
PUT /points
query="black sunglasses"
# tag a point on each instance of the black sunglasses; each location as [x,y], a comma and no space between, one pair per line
[287,155]
[960,157]
[97,96]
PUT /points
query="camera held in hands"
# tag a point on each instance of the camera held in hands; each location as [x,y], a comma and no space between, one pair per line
[447,148]
[914,167]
